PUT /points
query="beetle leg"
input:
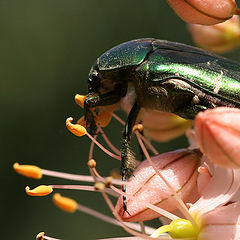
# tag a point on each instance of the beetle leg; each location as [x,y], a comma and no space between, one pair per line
[126,155]
[95,100]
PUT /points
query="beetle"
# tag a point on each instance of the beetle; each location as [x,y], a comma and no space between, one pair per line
[166,76]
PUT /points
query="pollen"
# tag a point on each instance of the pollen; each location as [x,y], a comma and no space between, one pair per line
[64,203]
[79,99]
[76,129]
[30,171]
[103,118]
[41,190]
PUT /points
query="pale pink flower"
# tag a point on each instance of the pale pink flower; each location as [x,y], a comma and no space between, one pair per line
[206,12]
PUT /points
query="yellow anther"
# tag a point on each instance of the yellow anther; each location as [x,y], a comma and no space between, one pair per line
[41,190]
[65,203]
[40,236]
[81,121]
[28,170]
[178,228]
[103,118]
[92,163]
[76,129]
[79,99]
[99,186]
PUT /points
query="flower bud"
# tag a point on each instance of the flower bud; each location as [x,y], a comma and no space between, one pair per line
[219,38]
[218,134]
[162,126]
[207,12]
[179,168]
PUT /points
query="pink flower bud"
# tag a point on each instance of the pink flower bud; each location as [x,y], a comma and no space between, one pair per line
[179,168]
[219,38]
[206,12]
[218,134]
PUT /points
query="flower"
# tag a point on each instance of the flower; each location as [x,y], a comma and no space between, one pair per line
[219,38]
[205,12]
[218,134]
[205,194]
[178,168]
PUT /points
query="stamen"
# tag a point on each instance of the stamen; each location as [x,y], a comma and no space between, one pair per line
[76,129]
[79,130]
[42,236]
[30,171]
[103,148]
[90,155]
[84,188]
[108,141]
[147,142]
[125,226]
[41,190]
[182,207]
[138,127]
[149,145]
[65,203]
[79,99]
[92,163]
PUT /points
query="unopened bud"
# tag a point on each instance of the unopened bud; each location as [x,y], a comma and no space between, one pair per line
[219,38]
[179,168]
[218,134]
[162,126]
[206,12]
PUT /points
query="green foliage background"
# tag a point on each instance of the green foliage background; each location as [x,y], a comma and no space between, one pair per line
[46,50]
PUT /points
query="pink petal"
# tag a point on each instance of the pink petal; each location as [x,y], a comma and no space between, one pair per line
[222,223]
[178,167]
[221,188]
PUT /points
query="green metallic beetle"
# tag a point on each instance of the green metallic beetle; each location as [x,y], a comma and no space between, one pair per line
[166,76]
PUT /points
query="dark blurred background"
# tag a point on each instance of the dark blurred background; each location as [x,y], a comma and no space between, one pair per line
[46,50]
